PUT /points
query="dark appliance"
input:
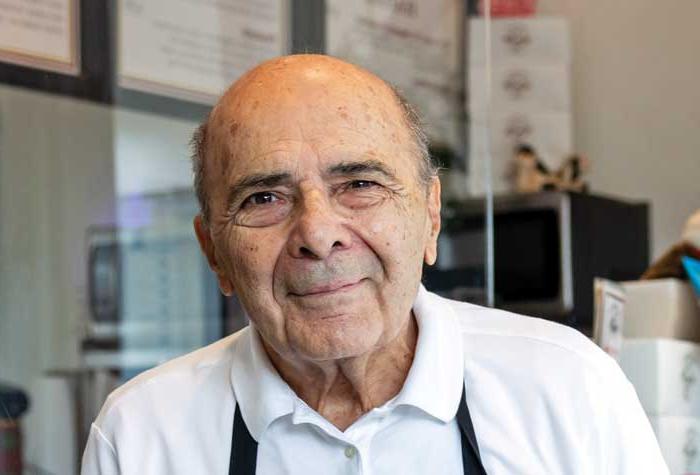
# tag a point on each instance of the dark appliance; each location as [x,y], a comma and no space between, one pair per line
[548,247]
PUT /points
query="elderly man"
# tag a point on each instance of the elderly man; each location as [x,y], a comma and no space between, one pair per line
[319,208]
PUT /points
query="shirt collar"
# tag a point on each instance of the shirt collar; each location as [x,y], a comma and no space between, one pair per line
[434,382]
[260,392]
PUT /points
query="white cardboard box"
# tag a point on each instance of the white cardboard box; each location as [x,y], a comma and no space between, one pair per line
[531,40]
[679,439]
[666,375]
[663,308]
[518,87]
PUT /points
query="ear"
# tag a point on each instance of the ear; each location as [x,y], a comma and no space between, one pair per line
[430,254]
[207,246]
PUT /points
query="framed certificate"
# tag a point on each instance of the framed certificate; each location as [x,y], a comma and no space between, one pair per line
[417,46]
[70,54]
[192,50]
[41,35]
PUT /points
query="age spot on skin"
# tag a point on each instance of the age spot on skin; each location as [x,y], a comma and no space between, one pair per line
[233,128]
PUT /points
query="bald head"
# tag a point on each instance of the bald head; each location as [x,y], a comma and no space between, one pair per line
[301,89]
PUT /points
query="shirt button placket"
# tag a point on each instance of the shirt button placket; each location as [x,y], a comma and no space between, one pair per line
[353,455]
[350,451]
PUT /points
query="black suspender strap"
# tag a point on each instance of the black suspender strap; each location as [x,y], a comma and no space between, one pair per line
[471,458]
[244,449]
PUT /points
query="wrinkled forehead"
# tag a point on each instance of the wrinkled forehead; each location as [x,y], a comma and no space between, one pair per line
[325,105]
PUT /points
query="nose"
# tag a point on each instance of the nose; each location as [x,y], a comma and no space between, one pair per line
[318,230]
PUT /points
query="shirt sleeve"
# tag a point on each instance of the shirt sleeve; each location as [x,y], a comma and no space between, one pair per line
[99,457]
[631,445]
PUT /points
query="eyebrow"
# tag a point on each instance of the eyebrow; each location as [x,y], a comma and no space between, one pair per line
[354,168]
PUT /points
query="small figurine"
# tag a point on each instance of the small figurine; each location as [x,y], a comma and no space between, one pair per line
[670,264]
[571,173]
[530,174]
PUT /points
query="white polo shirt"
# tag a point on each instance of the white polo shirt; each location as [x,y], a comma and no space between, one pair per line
[542,397]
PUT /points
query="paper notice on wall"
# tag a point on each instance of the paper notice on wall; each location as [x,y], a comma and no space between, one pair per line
[162,288]
[609,303]
[194,49]
[414,45]
[40,34]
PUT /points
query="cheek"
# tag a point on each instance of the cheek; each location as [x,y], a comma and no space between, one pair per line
[396,236]
[250,258]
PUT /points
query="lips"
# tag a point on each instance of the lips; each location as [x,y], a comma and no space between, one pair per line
[327,288]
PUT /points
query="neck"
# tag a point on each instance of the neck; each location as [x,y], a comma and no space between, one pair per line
[343,390]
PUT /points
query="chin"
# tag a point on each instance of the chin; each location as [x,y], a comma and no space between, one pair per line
[338,337]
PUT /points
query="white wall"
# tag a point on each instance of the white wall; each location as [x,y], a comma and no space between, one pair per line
[636,69]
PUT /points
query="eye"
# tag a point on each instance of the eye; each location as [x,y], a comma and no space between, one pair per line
[264,208]
[361,184]
[361,194]
[262,198]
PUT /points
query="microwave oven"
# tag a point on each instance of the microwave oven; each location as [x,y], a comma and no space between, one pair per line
[548,248]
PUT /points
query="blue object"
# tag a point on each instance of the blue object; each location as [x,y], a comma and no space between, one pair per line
[692,268]
[13,402]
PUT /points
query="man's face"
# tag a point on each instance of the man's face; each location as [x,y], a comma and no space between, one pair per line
[318,221]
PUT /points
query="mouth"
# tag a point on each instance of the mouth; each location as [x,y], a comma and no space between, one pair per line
[328,289]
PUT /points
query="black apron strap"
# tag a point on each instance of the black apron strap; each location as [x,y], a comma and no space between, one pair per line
[244,449]
[471,458]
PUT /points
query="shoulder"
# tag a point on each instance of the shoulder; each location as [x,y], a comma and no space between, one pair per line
[525,332]
[532,360]
[506,343]
[202,375]
[556,386]
[166,412]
